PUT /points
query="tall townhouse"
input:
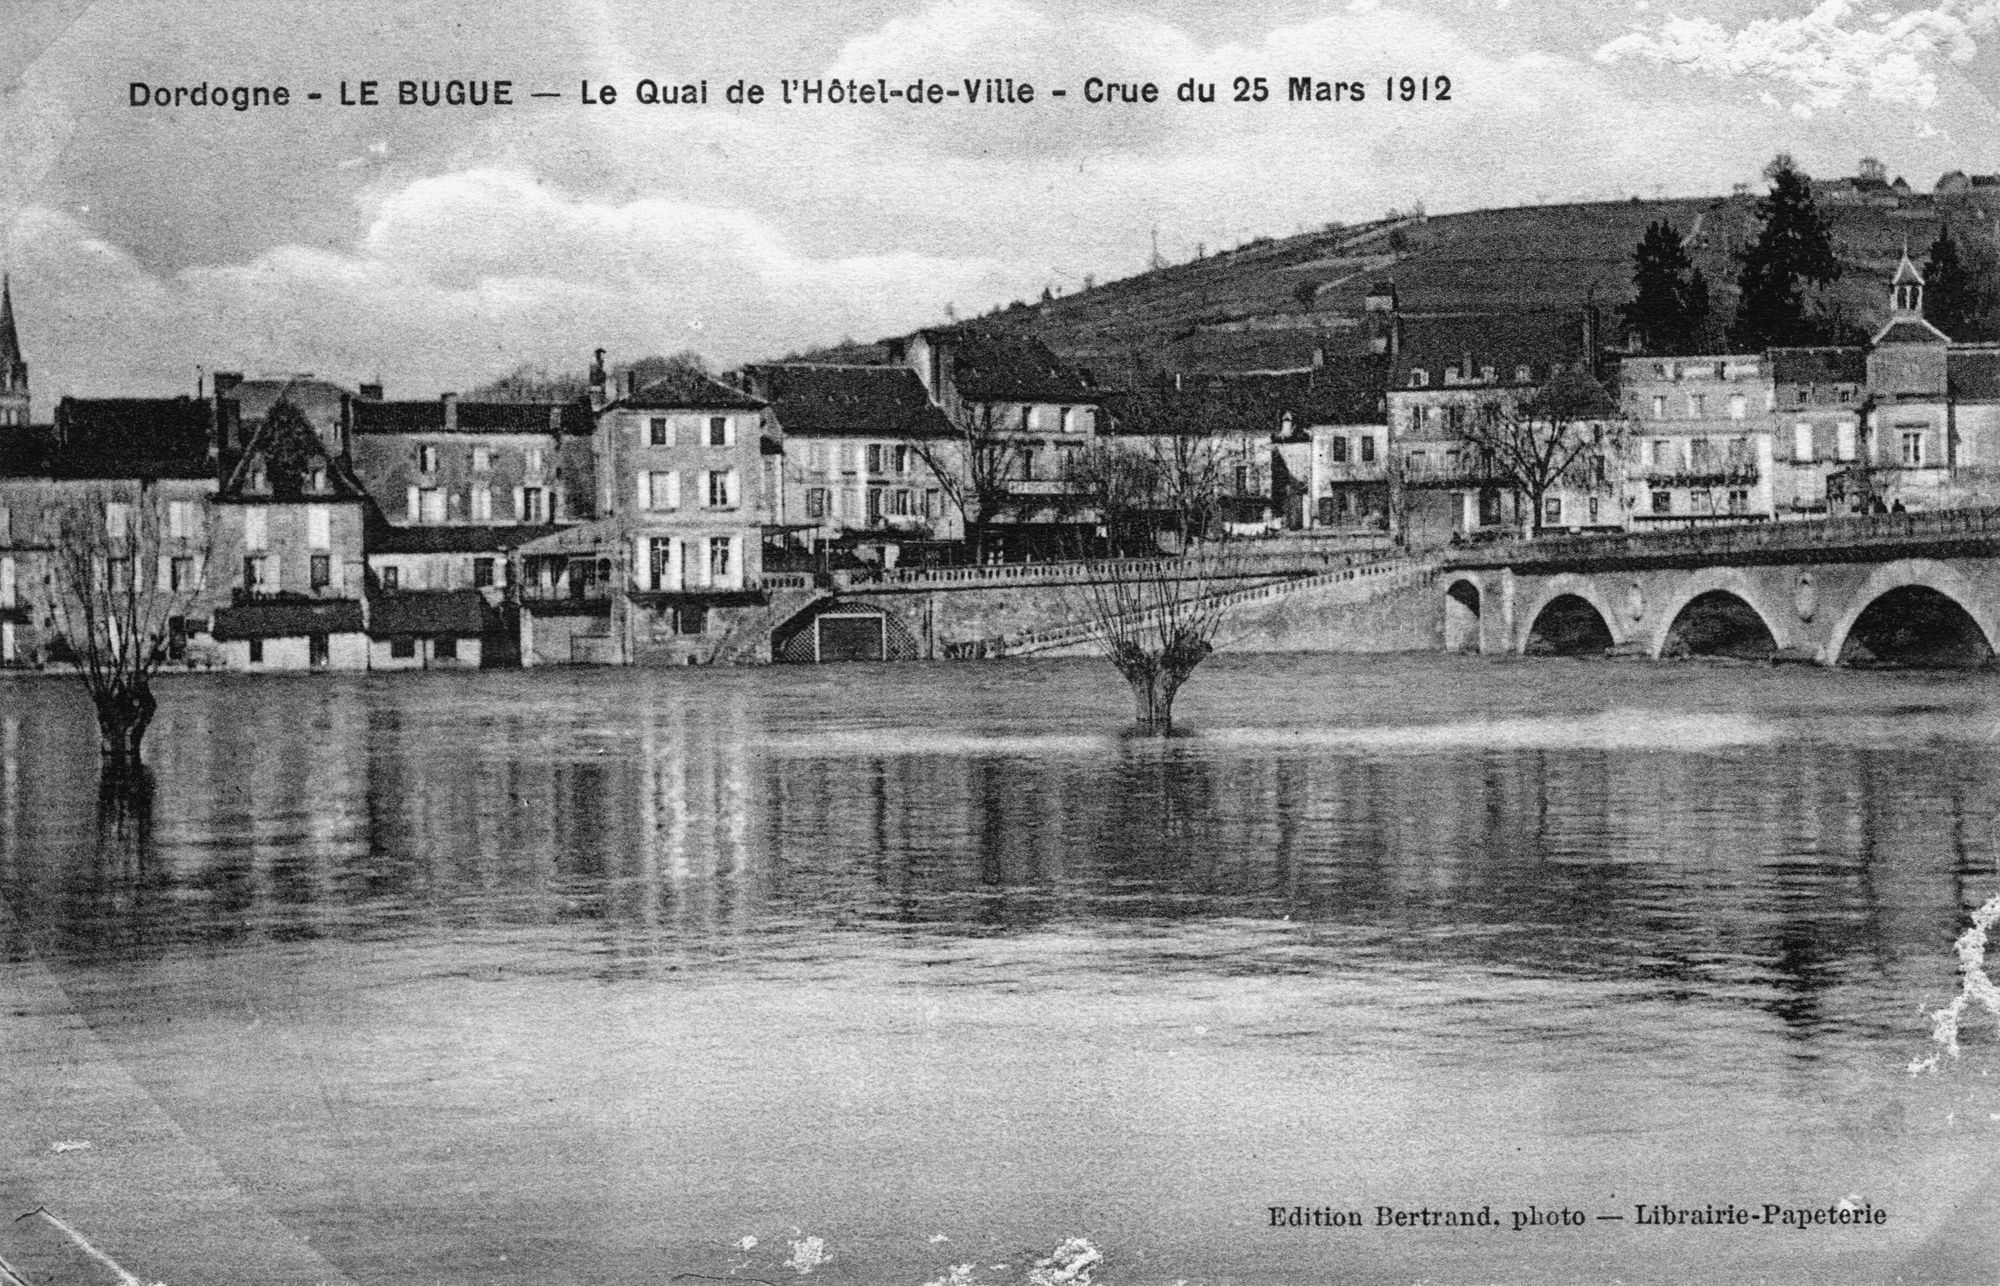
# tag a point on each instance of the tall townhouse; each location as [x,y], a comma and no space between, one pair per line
[1448,368]
[1001,388]
[1816,398]
[854,483]
[1701,446]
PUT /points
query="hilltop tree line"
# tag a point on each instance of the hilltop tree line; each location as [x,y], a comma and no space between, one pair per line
[1783,283]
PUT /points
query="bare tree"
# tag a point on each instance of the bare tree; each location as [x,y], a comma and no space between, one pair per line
[1565,432]
[1124,487]
[974,465]
[127,564]
[1155,621]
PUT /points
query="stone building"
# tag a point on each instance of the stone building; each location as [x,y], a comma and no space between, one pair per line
[1700,439]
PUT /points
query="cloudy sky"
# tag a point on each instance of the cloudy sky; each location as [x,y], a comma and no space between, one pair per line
[434,248]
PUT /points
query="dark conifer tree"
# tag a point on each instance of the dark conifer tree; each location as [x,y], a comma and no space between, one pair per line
[1668,312]
[1794,249]
[1951,298]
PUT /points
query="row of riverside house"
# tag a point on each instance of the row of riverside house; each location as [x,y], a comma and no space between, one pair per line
[671,519]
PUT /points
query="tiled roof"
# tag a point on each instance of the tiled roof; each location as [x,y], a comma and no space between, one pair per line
[989,365]
[1503,341]
[25,453]
[1973,374]
[1911,332]
[812,400]
[1845,364]
[450,611]
[498,538]
[280,458]
[1253,404]
[473,417]
[682,388]
[283,618]
[131,437]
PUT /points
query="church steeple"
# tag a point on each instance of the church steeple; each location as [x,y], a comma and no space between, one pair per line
[1906,292]
[13,370]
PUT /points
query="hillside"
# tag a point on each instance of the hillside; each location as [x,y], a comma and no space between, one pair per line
[1245,309]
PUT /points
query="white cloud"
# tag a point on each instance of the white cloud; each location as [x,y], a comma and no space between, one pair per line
[1827,54]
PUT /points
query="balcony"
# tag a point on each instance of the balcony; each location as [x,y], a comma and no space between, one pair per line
[1703,473]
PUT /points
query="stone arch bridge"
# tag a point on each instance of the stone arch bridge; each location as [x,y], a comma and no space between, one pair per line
[1896,589]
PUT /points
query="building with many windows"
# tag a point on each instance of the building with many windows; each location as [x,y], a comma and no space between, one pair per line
[1701,435]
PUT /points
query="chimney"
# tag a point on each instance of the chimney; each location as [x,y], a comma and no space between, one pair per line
[1319,356]
[631,384]
[225,382]
[371,392]
[597,398]
[450,401]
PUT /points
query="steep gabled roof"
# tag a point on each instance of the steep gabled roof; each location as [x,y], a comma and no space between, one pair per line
[1827,364]
[1247,403]
[810,399]
[10,343]
[131,437]
[683,388]
[1972,374]
[1910,330]
[993,365]
[572,418]
[283,453]
[1503,341]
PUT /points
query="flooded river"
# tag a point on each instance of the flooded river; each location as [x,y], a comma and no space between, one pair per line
[924,973]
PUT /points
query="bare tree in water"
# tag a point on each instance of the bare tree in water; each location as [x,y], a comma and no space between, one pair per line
[126,568]
[1155,620]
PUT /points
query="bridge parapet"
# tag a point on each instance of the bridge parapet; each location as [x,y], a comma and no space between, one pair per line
[1861,538]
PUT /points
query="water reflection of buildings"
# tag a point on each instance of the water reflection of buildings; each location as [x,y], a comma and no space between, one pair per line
[655,826]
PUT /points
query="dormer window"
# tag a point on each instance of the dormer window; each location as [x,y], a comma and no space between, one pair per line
[316,480]
[1420,378]
[1522,375]
[427,459]
[1486,374]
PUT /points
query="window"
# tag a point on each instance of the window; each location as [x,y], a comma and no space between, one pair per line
[690,620]
[933,503]
[322,571]
[660,490]
[1419,378]
[1739,501]
[1593,508]
[403,647]
[1913,448]
[1844,394]
[721,488]
[1454,419]
[1368,448]
[316,480]
[256,528]
[1803,394]
[256,651]
[1242,479]
[482,573]
[1552,511]
[1027,419]
[1698,501]
[1843,441]
[253,574]
[482,504]
[533,458]
[720,432]
[6,526]
[899,503]
[430,504]
[180,574]
[1697,405]
[1522,375]
[1738,407]
[482,459]
[1489,507]
[660,562]
[1802,442]
[718,559]
[427,459]
[445,647]
[316,651]
[660,431]
[319,527]
[1337,446]
[180,519]
[900,458]
[534,506]
[117,520]
[875,457]
[815,502]
[1663,502]
[1659,406]
[816,456]
[874,503]
[1065,419]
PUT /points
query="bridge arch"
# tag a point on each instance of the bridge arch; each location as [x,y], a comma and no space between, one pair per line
[1919,575]
[1464,612]
[1568,585]
[1719,580]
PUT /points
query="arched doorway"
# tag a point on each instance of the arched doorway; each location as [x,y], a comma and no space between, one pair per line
[1719,623]
[1915,625]
[1569,626]
[1461,617]
[835,631]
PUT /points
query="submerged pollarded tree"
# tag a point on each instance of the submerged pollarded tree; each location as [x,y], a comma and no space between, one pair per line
[1155,621]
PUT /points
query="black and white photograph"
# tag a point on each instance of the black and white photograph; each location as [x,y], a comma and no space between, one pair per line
[999,642]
